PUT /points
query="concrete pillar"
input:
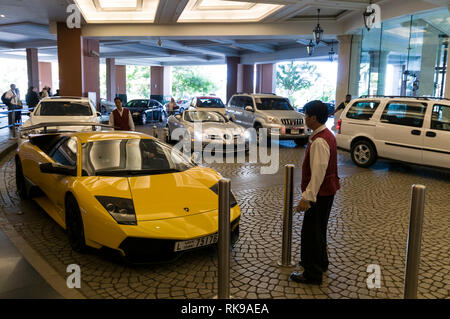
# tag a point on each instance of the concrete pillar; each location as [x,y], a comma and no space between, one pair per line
[232,76]
[78,64]
[382,68]
[167,74]
[91,68]
[157,81]
[447,80]
[245,78]
[70,60]
[343,76]
[355,65]
[33,67]
[265,78]
[121,79]
[110,79]
[430,47]
[45,75]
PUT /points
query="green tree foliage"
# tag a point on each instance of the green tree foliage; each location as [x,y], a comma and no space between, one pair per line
[188,81]
[293,77]
[138,82]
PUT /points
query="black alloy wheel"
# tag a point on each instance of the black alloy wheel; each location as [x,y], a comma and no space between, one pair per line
[74,225]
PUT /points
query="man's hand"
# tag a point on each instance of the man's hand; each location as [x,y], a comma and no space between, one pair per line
[303,206]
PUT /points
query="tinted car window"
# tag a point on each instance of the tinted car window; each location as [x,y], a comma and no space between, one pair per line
[401,113]
[65,109]
[276,104]
[246,101]
[440,118]
[362,110]
[235,101]
[66,153]
[210,102]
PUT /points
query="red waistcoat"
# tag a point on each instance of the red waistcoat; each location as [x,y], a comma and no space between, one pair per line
[330,184]
[121,122]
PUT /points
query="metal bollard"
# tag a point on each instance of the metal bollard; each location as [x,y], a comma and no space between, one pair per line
[414,241]
[224,239]
[286,249]
[154,131]
[13,116]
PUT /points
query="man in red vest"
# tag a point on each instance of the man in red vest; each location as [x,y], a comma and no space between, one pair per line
[320,183]
[121,118]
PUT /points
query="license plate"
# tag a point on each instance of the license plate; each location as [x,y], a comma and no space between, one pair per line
[295,131]
[194,243]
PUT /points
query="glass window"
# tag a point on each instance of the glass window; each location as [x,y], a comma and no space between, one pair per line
[60,108]
[440,118]
[66,153]
[401,113]
[362,110]
[210,102]
[246,101]
[131,157]
[202,116]
[277,104]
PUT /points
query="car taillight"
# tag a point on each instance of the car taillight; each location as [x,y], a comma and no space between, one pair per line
[339,126]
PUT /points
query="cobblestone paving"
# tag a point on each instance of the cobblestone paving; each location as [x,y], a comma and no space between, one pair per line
[368,225]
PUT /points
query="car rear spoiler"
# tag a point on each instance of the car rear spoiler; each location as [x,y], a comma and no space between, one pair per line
[46,125]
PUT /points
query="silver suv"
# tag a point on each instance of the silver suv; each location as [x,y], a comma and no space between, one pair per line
[269,111]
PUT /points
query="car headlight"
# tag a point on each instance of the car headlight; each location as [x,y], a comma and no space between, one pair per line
[136,114]
[215,189]
[272,119]
[121,209]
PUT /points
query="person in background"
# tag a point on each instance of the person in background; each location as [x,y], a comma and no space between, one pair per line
[342,106]
[44,92]
[171,106]
[320,182]
[57,93]
[32,98]
[11,100]
[18,114]
[121,118]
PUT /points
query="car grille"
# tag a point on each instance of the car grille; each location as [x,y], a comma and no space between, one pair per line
[292,121]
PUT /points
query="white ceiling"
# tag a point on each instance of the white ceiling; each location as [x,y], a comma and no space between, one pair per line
[26,24]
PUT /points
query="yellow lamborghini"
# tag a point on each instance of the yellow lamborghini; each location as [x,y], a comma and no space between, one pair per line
[124,191]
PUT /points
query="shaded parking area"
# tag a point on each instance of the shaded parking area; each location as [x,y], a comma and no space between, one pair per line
[368,225]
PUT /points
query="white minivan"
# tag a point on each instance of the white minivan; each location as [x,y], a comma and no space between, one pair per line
[408,129]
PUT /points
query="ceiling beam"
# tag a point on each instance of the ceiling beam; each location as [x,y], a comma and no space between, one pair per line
[169,11]
[175,45]
[248,46]
[37,31]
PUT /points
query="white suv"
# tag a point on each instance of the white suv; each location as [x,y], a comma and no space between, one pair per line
[269,111]
[407,129]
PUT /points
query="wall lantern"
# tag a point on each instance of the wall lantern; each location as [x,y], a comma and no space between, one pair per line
[369,16]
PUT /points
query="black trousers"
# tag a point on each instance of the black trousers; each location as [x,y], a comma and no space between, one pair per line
[313,247]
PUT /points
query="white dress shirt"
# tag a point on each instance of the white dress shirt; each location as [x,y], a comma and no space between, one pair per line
[319,156]
[130,119]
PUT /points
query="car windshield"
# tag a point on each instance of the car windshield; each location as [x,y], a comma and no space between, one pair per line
[210,102]
[131,157]
[60,108]
[275,104]
[204,116]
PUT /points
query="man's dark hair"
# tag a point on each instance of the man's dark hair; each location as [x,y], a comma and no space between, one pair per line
[118,98]
[317,108]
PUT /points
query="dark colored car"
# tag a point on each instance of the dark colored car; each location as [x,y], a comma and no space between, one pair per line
[146,110]
[330,106]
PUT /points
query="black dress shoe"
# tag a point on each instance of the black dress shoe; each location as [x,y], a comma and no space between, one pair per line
[300,278]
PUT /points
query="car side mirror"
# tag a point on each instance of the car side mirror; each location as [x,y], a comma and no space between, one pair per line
[228,117]
[249,108]
[99,114]
[55,168]
[178,117]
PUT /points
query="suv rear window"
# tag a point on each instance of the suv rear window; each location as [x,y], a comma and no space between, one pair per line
[208,102]
[65,109]
[362,110]
[404,113]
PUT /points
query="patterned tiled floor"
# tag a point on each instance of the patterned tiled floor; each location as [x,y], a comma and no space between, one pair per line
[368,225]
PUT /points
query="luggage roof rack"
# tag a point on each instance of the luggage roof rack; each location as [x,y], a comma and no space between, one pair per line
[426,98]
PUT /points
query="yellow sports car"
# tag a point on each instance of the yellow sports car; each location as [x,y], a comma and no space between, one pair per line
[124,191]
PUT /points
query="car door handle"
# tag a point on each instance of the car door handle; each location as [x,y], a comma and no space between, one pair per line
[430,134]
[415,132]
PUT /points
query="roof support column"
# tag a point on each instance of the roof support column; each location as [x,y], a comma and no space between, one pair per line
[265,78]
[33,67]
[110,79]
[45,75]
[245,78]
[343,76]
[232,76]
[121,79]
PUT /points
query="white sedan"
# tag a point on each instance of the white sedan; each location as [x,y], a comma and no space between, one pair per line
[209,129]
[60,109]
